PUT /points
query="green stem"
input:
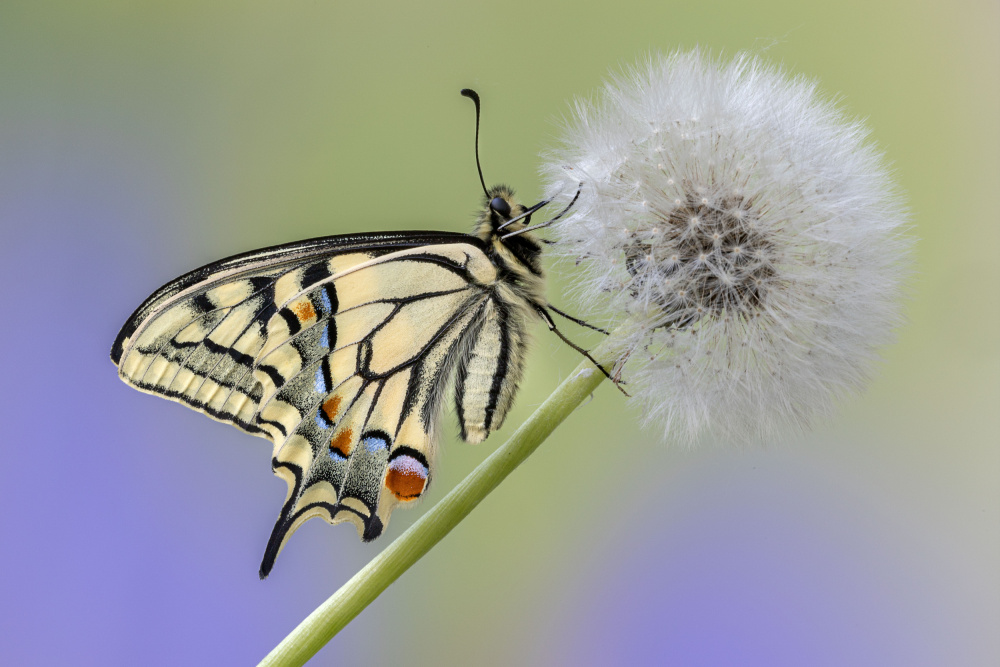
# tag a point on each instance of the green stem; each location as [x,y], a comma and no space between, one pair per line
[329,618]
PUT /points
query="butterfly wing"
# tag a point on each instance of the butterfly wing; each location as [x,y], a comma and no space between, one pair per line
[337,350]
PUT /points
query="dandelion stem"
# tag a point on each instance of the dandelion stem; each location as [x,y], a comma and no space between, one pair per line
[337,611]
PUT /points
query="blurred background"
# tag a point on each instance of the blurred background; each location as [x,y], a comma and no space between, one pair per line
[140,140]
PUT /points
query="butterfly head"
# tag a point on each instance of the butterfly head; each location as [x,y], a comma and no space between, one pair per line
[500,218]
[500,207]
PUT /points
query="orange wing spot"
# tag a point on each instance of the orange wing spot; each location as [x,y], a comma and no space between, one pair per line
[304,309]
[406,477]
[331,407]
[341,443]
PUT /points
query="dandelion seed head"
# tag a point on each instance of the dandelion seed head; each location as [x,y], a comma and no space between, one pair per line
[741,231]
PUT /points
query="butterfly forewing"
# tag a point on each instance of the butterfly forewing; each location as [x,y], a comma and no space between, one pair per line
[339,351]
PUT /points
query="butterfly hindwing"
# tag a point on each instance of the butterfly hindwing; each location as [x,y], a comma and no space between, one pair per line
[360,426]
[338,350]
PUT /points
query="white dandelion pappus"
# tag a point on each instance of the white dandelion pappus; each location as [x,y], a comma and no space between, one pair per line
[741,232]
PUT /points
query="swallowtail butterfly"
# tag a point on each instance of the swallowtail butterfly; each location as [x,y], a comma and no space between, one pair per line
[339,350]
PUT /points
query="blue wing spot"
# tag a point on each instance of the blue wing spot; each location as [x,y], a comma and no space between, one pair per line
[321,420]
[324,338]
[328,294]
[374,443]
[321,387]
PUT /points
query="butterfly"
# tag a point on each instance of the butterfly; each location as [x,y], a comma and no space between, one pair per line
[340,350]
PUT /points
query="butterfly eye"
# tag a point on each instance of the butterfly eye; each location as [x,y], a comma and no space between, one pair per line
[500,206]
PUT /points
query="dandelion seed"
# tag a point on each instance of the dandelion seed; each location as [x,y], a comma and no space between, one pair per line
[762,225]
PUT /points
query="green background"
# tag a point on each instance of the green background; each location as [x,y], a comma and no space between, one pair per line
[139,140]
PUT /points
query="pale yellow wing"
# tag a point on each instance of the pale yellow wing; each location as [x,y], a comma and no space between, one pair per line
[338,354]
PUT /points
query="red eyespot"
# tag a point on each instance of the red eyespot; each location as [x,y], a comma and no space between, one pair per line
[406,477]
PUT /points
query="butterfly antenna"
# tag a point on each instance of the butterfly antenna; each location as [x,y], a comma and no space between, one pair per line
[525,214]
[474,96]
[548,222]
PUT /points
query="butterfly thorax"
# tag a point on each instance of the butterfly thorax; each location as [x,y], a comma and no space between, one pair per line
[517,257]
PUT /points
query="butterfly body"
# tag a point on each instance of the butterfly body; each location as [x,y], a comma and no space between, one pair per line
[340,350]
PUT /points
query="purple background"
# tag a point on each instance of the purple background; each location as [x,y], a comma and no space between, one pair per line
[139,142]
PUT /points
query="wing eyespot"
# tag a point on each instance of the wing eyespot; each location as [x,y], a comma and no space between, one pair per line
[407,474]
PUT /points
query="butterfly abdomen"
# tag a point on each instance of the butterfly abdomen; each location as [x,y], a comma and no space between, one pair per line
[488,372]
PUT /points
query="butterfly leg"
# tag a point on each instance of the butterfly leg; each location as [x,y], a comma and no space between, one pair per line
[577,320]
[552,327]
